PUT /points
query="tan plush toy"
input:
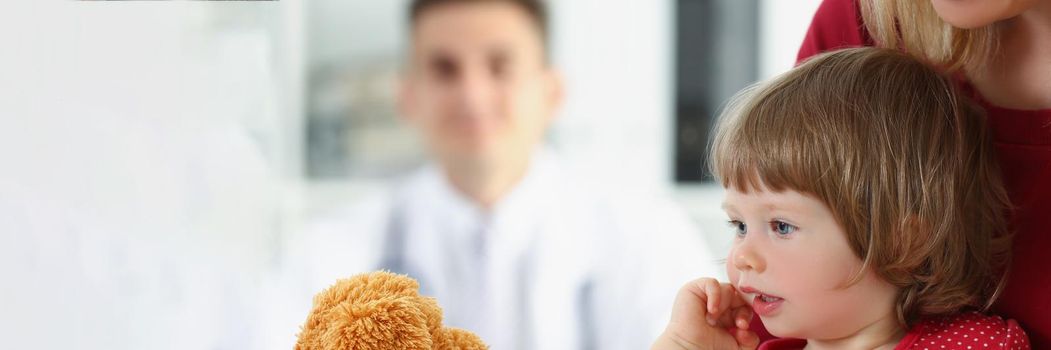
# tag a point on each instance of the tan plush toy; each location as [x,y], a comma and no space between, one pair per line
[380,311]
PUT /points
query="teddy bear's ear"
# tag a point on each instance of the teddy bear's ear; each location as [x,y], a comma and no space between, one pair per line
[463,340]
[365,287]
[433,314]
[382,324]
[379,310]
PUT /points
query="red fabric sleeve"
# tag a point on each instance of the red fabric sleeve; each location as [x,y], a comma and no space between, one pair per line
[1016,337]
[966,331]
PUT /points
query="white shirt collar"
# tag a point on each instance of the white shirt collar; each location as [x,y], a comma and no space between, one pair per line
[431,195]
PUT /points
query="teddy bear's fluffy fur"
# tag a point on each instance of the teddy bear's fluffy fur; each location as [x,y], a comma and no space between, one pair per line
[379,311]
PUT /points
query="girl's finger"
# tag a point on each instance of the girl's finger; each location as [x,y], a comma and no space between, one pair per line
[746,339]
[711,289]
[727,294]
[742,317]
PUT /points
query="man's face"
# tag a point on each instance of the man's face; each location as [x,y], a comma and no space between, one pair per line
[478,86]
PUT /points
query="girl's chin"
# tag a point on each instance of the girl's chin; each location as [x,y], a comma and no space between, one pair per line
[781,329]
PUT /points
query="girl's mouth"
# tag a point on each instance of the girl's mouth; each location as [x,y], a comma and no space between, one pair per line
[763,304]
[767,298]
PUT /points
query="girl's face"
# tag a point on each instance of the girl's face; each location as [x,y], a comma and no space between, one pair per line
[792,260]
[970,14]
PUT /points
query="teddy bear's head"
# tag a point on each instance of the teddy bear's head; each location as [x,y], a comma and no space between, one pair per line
[379,311]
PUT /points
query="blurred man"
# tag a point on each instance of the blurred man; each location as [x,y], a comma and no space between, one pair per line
[513,246]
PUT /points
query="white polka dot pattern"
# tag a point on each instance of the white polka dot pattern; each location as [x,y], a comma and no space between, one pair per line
[968,331]
[963,331]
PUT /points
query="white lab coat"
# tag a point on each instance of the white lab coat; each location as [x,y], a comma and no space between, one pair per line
[556,264]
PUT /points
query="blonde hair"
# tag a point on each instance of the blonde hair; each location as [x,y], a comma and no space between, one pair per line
[901,158]
[914,26]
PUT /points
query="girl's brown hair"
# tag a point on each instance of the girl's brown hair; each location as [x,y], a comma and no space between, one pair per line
[914,26]
[901,158]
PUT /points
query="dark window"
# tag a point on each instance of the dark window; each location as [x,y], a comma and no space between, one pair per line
[717,54]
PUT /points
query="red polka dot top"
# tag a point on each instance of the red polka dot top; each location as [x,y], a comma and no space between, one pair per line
[963,331]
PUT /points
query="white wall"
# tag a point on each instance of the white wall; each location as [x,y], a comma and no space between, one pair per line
[617,59]
[783,24]
[354,30]
[142,151]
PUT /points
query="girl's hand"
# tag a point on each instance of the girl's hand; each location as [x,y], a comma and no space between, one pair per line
[708,315]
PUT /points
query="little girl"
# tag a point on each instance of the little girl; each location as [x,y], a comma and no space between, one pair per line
[868,213]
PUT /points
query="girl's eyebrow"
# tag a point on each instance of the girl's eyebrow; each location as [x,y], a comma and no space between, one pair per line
[784,207]
[730,209]
[766,206]
[770,206]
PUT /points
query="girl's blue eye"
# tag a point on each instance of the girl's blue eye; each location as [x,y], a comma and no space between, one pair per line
[739,227]
[782,228]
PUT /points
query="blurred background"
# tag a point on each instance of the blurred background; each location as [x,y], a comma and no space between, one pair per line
[155,155]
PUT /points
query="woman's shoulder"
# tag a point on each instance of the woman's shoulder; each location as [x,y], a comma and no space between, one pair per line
[836,24]
[971,330]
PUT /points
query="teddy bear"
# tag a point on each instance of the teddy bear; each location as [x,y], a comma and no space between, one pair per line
[379,311]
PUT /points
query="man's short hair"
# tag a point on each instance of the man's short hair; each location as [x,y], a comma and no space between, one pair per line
[535,9]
